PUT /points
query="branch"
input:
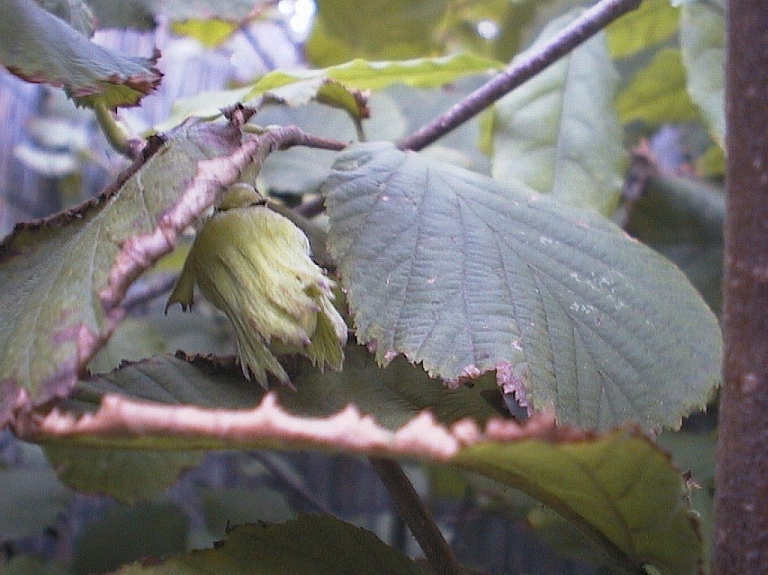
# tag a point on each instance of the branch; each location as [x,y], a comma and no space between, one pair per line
[417,517]
[741,503]
[520,70]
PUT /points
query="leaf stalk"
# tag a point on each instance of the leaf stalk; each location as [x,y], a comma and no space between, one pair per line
[418,518]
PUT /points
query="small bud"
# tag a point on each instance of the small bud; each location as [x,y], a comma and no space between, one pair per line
[254,265]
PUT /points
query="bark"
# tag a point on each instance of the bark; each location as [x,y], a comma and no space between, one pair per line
[741,530]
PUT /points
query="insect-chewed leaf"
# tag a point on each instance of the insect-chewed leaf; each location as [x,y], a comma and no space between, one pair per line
[465,275]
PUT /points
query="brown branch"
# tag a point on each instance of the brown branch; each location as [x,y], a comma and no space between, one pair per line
[418,518]
[741,505]
[522,69]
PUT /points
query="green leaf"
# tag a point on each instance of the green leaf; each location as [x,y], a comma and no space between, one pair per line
[337,85]
[126,534]
[304,546]
[513,20]
[262,501]
[465,275]
[617,487]
[127,475]
[702,42]
[546,137]
[134,339]
[211,33]
[378,29]
[393,395]
[364,75]
[58,274]
[38,47]
[652,23]
[395,112]
[695,453]
[683,219]
[657,93]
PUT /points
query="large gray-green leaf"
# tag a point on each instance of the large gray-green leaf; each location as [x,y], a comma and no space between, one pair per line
[702,41]
[465,275]
[39,47]
[55,273]
[559,132]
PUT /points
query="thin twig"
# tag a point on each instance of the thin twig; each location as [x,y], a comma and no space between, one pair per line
[587,25]
[418,518]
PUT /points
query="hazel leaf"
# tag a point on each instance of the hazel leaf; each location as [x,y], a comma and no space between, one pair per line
[618,487]
[465,275]
[63,278]
[39,47]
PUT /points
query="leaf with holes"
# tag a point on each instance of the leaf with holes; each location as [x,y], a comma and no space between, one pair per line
[465,275]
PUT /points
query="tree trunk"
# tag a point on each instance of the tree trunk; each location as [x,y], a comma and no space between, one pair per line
[741,530]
